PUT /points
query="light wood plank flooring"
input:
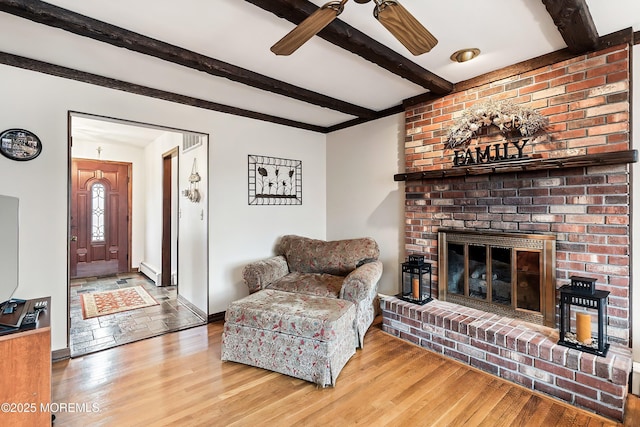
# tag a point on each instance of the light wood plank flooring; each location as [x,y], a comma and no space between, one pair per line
[178,379]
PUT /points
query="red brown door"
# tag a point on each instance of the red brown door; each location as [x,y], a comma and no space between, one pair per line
[99,218]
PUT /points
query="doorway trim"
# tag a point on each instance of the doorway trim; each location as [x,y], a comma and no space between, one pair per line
[168,212]
[70,128]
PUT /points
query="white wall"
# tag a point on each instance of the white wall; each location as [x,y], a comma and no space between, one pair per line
[241,233]
[192,229]
[129,154]
[635,228]
[238,232]
[363,199]
[153,196]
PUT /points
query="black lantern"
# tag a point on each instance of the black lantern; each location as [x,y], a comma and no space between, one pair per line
[593,304]
[415,277]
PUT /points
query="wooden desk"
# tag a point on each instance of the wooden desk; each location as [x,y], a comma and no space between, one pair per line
[25,372]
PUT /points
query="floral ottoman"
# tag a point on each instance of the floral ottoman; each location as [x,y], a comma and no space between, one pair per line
[304,336]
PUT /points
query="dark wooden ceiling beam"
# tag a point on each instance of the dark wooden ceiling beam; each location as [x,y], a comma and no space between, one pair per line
[348,38]
[574,21]
[54,16]
[95,79]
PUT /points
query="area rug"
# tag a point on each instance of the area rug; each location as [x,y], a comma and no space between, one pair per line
[97,304]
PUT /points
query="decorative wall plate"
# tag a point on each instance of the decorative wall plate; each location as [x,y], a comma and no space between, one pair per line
[19,144]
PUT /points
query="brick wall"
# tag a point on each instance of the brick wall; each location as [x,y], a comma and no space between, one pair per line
[586,100]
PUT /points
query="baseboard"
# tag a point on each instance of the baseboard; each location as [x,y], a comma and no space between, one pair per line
[201,314]
[61,354]
[151,272]
[216,317]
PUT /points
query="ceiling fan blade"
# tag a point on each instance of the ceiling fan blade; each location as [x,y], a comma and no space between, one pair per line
[308,28]
[404,27]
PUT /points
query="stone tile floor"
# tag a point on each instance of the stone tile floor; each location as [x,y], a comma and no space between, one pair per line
[99,333]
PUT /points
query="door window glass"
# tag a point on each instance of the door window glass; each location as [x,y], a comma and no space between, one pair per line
[97,212]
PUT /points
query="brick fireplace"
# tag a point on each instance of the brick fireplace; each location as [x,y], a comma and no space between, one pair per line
[575,187]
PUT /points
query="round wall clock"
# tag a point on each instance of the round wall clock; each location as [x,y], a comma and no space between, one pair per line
[20,144]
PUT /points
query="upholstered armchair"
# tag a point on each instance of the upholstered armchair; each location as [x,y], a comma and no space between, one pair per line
[347,269]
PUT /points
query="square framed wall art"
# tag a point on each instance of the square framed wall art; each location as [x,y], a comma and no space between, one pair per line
[274,181]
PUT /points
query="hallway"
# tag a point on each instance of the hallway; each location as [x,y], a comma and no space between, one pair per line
[99,333]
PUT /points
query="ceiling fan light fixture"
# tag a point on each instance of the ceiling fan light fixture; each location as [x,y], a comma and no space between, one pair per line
[464,55]
[391,14]
[404,26]
[308,28]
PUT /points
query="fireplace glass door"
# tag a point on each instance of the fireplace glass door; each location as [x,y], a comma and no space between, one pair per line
[505,275]
[528,280]
[501,283]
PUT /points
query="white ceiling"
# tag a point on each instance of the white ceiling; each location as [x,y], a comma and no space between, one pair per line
[100,130]
[237,32]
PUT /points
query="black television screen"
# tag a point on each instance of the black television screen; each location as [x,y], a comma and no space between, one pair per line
[8,246]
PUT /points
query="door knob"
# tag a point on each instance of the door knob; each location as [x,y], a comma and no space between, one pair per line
[74,238]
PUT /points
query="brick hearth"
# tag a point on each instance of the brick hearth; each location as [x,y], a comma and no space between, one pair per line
[515,350]
[586,208]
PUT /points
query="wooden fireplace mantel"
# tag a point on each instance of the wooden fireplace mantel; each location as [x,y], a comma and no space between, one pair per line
[532,164]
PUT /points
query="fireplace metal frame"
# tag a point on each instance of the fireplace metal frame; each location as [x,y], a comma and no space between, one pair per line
[544,243]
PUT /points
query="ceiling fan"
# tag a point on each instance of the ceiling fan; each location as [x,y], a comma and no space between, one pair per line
[391,14]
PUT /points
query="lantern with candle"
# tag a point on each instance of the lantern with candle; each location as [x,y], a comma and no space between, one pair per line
[415,276]
[590,308]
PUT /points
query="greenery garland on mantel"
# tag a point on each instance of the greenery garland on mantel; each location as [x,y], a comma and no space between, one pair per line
[504,114]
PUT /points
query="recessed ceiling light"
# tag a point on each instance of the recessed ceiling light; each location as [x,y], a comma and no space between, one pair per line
[464,55]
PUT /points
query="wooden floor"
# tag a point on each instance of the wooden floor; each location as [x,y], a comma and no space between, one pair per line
[178,379]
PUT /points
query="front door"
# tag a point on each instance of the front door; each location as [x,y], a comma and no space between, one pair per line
[99,218]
